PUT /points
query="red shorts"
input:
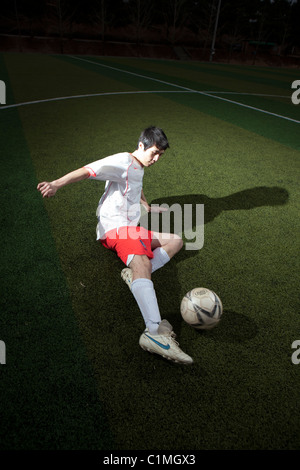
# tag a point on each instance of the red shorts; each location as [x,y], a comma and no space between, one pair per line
[127,241]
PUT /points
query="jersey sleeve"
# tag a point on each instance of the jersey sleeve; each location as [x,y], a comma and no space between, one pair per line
[112,168]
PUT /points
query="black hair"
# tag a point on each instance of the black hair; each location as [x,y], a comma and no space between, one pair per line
[154,136]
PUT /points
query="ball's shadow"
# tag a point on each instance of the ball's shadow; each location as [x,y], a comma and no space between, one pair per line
[233,328]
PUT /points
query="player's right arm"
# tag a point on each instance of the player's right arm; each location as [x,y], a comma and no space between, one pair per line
[49,189]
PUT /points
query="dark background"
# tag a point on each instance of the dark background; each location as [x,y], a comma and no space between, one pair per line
[249,31]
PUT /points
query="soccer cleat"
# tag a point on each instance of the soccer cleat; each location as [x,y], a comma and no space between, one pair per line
[126,275]
[164,343]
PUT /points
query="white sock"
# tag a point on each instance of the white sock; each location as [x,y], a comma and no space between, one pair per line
[160,258]
[144,293]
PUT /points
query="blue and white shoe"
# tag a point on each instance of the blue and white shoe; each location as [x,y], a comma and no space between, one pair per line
[164,343]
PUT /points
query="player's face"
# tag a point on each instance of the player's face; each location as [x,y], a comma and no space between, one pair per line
[150,156]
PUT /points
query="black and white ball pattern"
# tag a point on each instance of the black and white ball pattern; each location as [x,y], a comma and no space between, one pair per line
[201,308]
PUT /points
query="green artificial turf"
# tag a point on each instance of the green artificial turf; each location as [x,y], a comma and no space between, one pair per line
[48,394]
[242,390]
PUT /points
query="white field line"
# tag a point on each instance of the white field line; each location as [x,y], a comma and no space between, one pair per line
[188,89]
[211,94]
[89,95]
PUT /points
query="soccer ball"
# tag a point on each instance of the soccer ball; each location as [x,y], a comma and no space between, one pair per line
[201,308]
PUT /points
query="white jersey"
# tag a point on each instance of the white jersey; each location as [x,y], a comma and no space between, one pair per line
[119,206]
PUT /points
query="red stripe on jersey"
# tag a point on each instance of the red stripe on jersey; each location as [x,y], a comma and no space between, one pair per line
[127,178]
[91,172]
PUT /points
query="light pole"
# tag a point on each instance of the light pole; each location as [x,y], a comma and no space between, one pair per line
[215,33]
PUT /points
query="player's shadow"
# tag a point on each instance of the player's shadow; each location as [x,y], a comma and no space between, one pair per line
[246,199]
[241,200]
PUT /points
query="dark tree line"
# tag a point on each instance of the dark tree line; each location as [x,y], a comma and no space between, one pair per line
[273,21]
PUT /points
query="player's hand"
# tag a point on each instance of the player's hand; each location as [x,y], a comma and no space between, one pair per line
[157,209]
[47,189]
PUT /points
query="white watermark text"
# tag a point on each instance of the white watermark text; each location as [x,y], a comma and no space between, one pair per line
[296,354]
[296,94]
[2,92]
[2,352]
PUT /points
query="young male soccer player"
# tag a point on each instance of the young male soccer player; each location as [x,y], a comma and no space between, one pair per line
[142,251]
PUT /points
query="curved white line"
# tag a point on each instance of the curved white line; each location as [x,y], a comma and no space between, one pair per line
[211,94]
[89,95]
[188,89]
[61,98]
[248,94]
